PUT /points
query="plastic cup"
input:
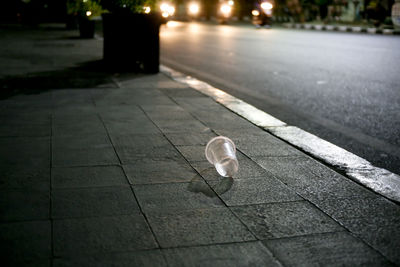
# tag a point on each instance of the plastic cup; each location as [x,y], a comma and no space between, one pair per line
[221,152]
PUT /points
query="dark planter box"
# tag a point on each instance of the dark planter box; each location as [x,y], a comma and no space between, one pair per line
[131,39]
[71,22]
[86,27]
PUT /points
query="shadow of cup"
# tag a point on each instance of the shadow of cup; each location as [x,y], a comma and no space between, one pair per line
[197,184]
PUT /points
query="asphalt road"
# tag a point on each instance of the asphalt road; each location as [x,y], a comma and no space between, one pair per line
[342,87]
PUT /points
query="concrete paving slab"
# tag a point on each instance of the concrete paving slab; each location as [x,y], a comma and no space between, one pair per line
[71,98]
[336,188]
[249,137]
[68,118]
[181,126]
[135,258]
[140,93]
[144,81]
[15,129]
[198,227]
[225,120]
[183,139]
[78,126]
[268,150]
[235,254]
[381,233]
[24,177]
[299,174]
[120,113]
[324,249]
[257,143]
[136,126]
[192,153]
[74,110]
[25,151]
[30,262]
[25,242]
[287,219]
[85,150]
[133,147]
[122,97]
[356,207]
[149,171]
[160,198]
[181,92]
[166,112]
[82,177]
[28,102]
[199,105]
[93,202]
[19,116]
[19,205]
[265,189]
[74,237]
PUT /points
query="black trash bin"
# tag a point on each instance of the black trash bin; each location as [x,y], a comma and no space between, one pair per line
[86,27]
[131,39]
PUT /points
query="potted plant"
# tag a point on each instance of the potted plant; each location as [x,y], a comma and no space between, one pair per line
[131,35]
[72,15]
[85,11]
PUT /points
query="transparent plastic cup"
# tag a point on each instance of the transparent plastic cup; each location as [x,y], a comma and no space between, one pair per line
[221,152]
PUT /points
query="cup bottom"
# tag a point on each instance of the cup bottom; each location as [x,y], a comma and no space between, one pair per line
[227,167]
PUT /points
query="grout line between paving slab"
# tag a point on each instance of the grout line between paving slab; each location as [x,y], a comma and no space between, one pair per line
[51,191]
[356,168]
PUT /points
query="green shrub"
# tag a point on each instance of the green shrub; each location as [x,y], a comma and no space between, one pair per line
[84,8]
[135,6]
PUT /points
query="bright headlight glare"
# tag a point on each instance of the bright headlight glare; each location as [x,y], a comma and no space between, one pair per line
[146,9]
[194,8]
[266,6]
[226,9]
[255,13]
[164,7]
[171,10]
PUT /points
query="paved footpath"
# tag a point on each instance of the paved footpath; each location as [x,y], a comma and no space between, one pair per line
[115,175]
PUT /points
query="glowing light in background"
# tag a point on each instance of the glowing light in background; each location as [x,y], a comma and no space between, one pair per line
[226,9]
[88,13]
[147,9]
[164,7]
[194,8]
[266,6]
[167,10]
[255,13]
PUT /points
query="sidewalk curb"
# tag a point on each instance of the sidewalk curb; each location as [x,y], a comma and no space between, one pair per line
[356,168]
[341,28]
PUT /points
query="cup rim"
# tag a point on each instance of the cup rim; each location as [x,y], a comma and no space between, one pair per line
[213,140]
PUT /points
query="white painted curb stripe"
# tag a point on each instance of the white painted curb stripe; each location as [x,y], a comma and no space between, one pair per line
[380,180]
[342,28]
